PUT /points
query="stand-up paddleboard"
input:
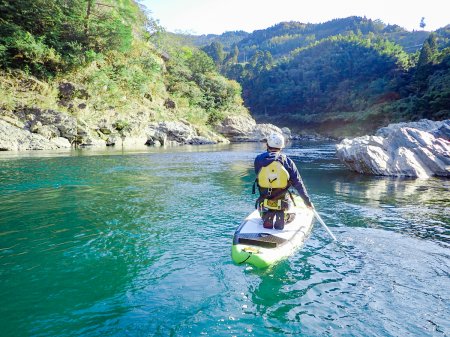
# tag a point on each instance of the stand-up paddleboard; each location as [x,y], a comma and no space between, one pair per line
[261,247]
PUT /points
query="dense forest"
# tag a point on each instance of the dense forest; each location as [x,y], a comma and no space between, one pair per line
[116,55]
[345,76]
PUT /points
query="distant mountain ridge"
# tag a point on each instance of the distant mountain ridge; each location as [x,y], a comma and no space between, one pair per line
[355,73]
[227,39]
[284,37]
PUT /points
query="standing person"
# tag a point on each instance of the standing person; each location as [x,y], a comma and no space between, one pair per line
[275,174]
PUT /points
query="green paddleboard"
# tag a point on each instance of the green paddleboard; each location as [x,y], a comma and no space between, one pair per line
[261,247]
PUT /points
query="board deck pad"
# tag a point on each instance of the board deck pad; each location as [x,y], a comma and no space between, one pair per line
[260,239]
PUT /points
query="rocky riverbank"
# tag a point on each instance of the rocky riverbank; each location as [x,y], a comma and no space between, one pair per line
[417,149]
[36,129]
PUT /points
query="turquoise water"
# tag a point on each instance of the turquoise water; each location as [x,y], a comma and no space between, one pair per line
[114,243]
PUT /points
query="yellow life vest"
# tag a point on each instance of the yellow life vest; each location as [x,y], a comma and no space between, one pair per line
[273,175]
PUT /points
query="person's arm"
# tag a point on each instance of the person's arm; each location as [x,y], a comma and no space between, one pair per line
[297,182]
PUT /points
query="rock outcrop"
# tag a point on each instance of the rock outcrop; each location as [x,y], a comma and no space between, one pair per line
[177,133]
[419,149]
[13,138]
[46,129]
[39,129]
[243,128]
[36,129]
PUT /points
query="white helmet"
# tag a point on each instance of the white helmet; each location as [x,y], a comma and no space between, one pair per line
[275,140]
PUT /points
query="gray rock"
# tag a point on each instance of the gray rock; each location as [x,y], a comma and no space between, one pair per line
[69,91]
[88,137]
[49,121]
[413,150]
[442,131]
[66,90]
[169,104]
[153,142]
[213,137]
[132,141]
[132,130]
[173,133]
[48,131]
[260,132]
[422,125]
[236,127]
[286,132]
[199,140]
[243,128]
[13,138]
[13,120]
[105,131]
[61,143]
[111,140]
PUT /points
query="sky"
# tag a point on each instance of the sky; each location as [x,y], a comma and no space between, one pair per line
[218,16]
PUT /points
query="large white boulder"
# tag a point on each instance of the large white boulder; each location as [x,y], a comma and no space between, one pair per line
[178,133]
[236,127]
[419,149]
[243,128]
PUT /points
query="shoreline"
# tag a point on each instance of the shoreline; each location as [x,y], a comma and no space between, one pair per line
[143,149]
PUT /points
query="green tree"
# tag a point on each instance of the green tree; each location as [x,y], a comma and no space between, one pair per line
[45,36]
[232,56]
[429,51]
[215,51]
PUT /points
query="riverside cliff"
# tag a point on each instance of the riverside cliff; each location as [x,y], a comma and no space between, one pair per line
[92,75]
[37,129]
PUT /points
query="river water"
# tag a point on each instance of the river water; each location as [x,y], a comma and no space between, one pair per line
[137,243]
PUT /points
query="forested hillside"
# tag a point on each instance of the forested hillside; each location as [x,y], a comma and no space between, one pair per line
[341,77]
[283,38]
[114,54]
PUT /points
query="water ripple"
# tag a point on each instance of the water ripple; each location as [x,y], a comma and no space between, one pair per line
[139,244]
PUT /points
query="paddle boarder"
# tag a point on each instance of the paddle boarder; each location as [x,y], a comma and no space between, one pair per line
[275,174]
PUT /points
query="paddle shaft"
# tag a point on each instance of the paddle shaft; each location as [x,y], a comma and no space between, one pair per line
[323,224]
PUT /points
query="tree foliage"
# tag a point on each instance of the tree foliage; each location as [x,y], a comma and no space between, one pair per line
[45,36]
[193,75]
[352,67]
[118,54]
[336,74]
[215,51]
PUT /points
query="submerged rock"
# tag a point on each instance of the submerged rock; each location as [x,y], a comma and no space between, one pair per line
[418,149]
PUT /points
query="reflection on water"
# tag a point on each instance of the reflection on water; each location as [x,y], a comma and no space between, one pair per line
[382,190]
[138,243]
[417,206]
